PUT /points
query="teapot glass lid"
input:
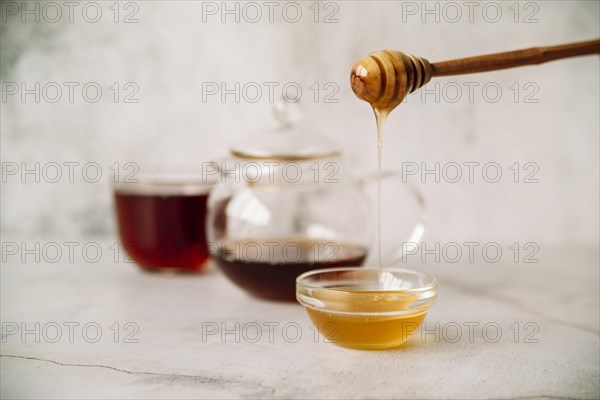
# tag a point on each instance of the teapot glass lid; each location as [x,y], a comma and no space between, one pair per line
[289,142]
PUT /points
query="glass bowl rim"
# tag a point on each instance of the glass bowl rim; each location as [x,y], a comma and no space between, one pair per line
[301,285]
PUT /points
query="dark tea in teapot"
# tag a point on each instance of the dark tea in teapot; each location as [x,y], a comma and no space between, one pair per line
[268,268]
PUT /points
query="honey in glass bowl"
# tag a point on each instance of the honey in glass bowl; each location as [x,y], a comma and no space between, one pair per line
[363,308]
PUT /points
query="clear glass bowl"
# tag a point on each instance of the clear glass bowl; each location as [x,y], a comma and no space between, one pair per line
[363,308]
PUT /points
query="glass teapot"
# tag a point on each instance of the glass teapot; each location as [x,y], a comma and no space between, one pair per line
[285,205]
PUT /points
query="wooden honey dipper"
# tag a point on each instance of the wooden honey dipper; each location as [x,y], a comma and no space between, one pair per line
[384,78]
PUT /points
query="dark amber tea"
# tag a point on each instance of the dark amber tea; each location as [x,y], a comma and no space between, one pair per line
[162,226]
[268,268]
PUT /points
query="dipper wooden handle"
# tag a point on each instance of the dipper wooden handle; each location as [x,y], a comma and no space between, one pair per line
[384,78]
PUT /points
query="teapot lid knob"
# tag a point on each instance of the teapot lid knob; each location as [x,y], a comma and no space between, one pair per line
[287,112]
[290,141]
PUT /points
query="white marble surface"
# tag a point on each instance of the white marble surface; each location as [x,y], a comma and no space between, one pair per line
[559,296]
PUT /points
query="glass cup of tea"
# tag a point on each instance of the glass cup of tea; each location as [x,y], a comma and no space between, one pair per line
[161,216]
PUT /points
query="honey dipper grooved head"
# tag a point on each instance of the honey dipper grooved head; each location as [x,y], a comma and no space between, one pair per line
[384,78]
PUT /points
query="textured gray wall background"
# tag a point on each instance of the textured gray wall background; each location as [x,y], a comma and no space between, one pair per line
[170,52]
